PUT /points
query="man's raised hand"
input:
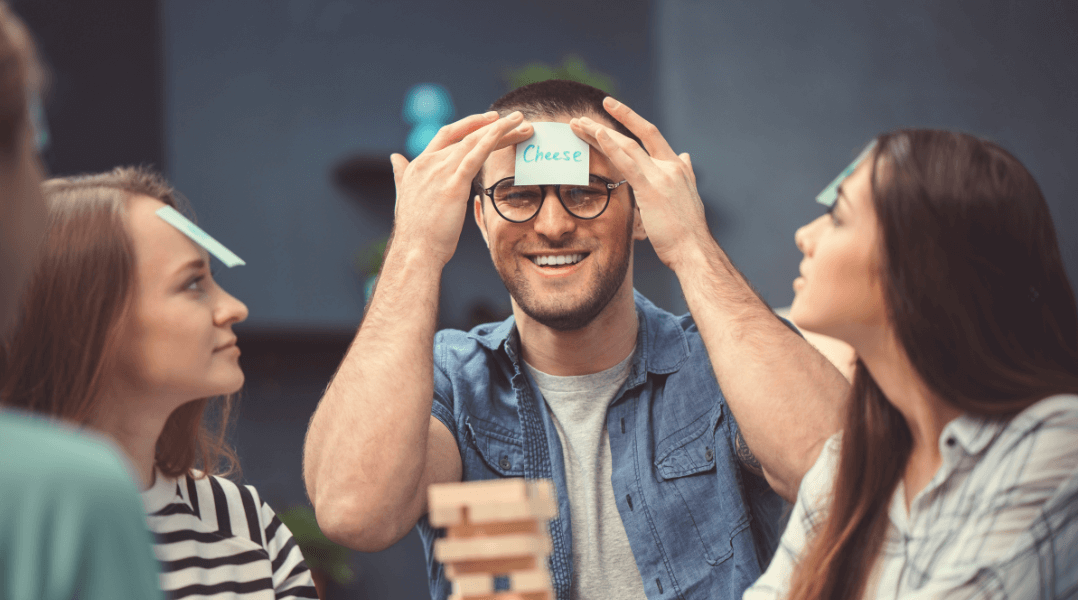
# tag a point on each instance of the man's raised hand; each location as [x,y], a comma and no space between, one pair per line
[663,182]
[433,190]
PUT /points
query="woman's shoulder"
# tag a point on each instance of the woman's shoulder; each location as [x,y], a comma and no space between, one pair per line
[1059,410]
[230,488]
[1050,422]
[225,499]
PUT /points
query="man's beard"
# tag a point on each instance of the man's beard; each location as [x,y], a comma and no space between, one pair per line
[561,317]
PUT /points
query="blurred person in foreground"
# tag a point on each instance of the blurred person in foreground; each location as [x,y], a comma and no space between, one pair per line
[71,524]
[664,435]
[956,473]
[126,333]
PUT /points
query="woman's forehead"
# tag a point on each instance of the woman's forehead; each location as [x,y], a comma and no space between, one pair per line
[158,244]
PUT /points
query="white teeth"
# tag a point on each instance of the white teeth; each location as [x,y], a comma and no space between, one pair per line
[560,259]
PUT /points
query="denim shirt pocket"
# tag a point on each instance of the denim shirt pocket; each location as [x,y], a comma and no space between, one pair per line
[711,499]
[497,447]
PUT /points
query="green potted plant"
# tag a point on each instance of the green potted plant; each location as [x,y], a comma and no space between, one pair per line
[326,559]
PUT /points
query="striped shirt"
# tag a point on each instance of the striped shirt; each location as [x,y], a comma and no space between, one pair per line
[998,520]
[218,540]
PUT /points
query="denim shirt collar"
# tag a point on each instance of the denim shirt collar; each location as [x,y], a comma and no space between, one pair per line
[661,347]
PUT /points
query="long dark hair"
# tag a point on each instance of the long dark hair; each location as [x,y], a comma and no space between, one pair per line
[979,300]
[80,295]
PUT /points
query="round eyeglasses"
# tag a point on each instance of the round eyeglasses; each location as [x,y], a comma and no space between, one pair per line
[520,203]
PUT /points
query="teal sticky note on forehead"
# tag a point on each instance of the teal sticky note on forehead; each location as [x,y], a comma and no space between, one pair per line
[552,155]
[200,237]
[830,193]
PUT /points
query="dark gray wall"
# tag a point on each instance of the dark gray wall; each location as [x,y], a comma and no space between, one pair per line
[105,99]
[774,98]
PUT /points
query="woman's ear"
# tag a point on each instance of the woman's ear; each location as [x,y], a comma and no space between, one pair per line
[477,206]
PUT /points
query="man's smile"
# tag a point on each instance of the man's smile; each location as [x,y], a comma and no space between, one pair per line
[557,260]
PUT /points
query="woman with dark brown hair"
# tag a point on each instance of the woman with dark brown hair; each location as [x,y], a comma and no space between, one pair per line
[126,332]
[956,473]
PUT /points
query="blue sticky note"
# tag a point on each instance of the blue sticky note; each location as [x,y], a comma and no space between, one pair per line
[200,237]
[552,155]
[830,193]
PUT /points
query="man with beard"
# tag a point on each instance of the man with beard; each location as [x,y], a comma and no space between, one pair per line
[588,383]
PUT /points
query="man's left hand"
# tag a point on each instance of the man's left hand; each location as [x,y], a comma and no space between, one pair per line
[663,182]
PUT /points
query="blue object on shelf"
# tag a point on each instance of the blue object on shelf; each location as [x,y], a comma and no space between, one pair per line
[427,107]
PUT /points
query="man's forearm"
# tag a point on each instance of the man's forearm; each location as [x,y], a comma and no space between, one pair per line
[787,398]
[366,446]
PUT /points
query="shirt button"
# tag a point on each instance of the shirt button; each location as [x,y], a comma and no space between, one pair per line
[708,455]
[951,442]
[504,463]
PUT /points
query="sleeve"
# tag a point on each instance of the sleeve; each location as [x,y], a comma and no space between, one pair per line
[1024,543]
[806,516]
[291,577]
[100,517]
[442,407]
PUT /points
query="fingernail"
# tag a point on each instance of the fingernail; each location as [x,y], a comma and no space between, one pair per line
[586,120]
[516,115]
[491,114]
[612,102]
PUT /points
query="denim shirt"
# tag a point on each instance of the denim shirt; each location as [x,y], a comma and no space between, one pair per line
[698,524]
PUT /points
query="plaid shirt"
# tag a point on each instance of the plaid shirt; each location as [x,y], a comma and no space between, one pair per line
[998,520]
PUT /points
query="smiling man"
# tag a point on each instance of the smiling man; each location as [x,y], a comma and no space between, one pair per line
[642,419]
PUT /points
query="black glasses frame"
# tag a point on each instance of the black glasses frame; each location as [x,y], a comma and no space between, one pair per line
[610,187]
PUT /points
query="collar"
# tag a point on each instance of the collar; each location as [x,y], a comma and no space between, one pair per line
[164,491]
[661,345]
[973,433]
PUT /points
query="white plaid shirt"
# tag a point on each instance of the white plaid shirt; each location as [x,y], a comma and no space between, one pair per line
[999,520]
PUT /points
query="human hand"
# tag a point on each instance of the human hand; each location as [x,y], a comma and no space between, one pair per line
[663,182]
[433,189]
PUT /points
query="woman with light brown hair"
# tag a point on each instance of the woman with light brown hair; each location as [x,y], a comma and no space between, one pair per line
[956,473]
[127,333]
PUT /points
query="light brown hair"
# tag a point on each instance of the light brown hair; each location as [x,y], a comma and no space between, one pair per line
[80,295]
[979,300]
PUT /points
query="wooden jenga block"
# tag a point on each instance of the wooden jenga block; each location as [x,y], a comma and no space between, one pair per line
[488,567]
[519,581]
[466,529]
[492,547]
[493,529]
[491,501]
[543,595]
[530,585]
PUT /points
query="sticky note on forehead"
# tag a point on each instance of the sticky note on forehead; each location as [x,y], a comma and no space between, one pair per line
[830,193]
[200,237]
[553,155]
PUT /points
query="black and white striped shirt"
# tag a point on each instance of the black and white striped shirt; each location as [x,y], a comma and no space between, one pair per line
[219,540]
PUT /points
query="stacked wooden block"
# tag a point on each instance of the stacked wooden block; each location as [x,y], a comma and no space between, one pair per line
[495,529]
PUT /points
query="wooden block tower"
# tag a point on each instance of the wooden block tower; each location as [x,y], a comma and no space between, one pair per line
[496,528]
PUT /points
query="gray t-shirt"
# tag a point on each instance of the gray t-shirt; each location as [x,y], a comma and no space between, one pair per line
[603,563]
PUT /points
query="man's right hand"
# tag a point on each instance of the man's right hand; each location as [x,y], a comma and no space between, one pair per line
[433,189]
